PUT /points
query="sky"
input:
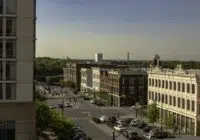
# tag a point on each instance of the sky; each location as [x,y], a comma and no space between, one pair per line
[81,28]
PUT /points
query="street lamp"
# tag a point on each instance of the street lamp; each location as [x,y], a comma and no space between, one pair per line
[136,107]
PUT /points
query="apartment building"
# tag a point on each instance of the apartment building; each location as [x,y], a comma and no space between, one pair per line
[17,53]
[124,87]
[177,94]
[86,80]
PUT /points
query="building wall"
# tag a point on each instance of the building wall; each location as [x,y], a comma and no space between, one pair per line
[96,79]
[175,93]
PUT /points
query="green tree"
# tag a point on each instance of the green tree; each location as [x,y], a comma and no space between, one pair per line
[153,113]
[169,121]
[38,97]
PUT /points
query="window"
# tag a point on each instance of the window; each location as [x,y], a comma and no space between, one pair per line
[156,96]
[10,70]
[1,70]
[152,82]
[1,91]
[1,6]
[183,87]
[183,103]
[156,83]
[193,108]
[193,89]
[1,49]
[174,85]
[174,98]
[11,6]
[179,86]
[179,102]
[166,85]
[10,27]
[162,98]
[166,99]
[159,97]
[159,83]
[149,82]
[7,130]
[1,26]
[10,49]
[188,105]
[152,95]
[163,83]
[10,91]
[170,100]
[188,88]
[170,85]
[199,108]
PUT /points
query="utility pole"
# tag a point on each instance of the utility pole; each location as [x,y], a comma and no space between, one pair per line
[113,135]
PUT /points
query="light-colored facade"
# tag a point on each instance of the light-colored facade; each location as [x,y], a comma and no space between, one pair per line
[96,78]
[17,53]
[177,94]
[98,57]
[86,79]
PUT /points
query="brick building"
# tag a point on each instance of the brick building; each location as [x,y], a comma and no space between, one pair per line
[124,87]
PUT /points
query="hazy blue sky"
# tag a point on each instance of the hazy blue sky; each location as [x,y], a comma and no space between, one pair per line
[80,28]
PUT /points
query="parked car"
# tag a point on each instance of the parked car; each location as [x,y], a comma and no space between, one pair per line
[79,135]
[52,106]
[92,101]
[86,98]
[68,105]
[96,120]
[112,121]
[99,104]
[147,129]
[128,120]
[103,119]
[134,122]
[60,105]
[119,128]
[130,134]
[141,125]
[122,122]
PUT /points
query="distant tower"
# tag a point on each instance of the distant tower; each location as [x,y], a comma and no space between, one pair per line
[98,57]
[128,57]
[156,60]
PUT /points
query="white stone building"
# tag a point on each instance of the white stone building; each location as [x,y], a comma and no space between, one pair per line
[86,79]
[177,94]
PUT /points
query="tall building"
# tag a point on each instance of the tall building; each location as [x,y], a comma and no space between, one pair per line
[177,95]
[17,53]
[98,57]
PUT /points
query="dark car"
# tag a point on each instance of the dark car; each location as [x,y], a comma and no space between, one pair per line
[147,129]
[60,105]
[128,120]
[99,104]
[131,135]
[79,135]
[161,134]
[141,125]
[86,98]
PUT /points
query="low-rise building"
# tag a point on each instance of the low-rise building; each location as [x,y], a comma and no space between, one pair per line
[177,95]
[86,80]
[124,87]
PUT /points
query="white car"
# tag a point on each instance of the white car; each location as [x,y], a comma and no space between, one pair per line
[103,118]
[119,128]
[92,101]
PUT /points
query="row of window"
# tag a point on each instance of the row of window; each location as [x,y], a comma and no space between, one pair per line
[9,49]
[173,85]
[8,6]
[7,130]
[10,93]
[10,26]
[9,69]
[172,100]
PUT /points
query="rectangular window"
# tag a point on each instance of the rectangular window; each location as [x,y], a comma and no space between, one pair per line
[174,85]
[156,96]
[159,83]
[1,70]
[1,91]
[149,82]
[166,99]
[152,95]
[163,84]
[183,87]
[10,49]
[174,98]
[170,100]
[170,85]
[159,97]
[179,102]
[10,26]
[156,83]
[199,108]
[162,98]
[179,86]
[166,85]
[1,26]
[188,104]
[1,49]
[7,130]
[10,70]
[1,6]
[183,103]
[10,91]
[188,88]
[152,82]
[193,89]
[11,6]
[193,107]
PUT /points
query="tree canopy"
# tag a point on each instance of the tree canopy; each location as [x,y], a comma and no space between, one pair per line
[153,113]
